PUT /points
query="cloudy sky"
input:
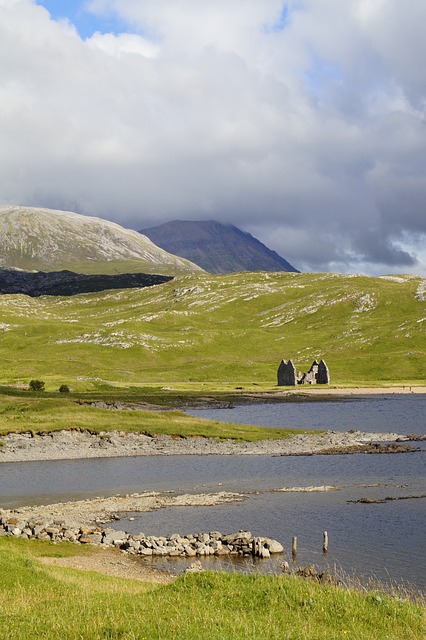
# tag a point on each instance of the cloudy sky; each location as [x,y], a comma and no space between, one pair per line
[302,122]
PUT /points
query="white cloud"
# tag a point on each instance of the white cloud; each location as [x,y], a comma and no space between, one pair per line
[301,122]
[123,44]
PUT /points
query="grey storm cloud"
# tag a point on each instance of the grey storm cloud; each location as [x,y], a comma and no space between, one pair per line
[302,122]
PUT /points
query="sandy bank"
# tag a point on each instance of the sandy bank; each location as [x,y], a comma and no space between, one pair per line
[112,562]
[324,390]
[68,445]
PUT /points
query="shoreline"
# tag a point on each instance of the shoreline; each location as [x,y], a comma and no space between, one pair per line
[102,510]
[327,390]
[73,445]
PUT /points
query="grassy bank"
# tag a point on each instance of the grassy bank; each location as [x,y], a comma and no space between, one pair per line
[45,413]
[49,603]
[209,329]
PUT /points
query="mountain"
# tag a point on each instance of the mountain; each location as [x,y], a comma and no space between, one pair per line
[49,240]
[216,247]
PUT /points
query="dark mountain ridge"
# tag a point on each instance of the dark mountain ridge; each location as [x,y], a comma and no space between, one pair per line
[216,247]
[68,283]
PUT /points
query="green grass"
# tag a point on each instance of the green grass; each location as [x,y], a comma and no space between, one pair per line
[24,413]
[46,602]
[218,330]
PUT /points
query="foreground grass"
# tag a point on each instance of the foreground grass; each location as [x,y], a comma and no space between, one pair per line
[24,412]
[51,603]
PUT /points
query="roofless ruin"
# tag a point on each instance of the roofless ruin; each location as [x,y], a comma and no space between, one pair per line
[288,377]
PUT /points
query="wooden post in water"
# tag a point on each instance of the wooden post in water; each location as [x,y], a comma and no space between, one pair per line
[294,547]
[325,543]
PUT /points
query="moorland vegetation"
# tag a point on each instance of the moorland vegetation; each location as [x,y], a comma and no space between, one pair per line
[219,330]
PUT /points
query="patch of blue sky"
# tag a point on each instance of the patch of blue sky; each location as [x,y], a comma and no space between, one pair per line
[321,74]
[282,22]
[285,17]
[86,22]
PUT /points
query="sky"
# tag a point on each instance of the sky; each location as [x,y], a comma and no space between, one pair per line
[301,122]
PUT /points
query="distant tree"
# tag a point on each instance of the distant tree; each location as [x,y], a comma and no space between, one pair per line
[64,388]
[36,385]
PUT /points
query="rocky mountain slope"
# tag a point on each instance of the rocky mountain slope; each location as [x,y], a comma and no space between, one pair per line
[48,240]
[216,247]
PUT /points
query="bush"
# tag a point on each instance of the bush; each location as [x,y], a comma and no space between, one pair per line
[36,385]
[64,388]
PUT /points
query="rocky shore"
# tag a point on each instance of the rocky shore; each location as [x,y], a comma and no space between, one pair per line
[100,510]
[82,521]
[67,445]
[214,543]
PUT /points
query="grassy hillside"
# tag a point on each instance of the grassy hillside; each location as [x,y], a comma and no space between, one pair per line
[42,601]
[219,329]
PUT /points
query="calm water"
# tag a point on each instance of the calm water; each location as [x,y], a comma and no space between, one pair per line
[396,413]
[386,540]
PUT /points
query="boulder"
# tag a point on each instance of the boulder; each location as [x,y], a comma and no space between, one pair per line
[114,538]
[273,546]
[94,538]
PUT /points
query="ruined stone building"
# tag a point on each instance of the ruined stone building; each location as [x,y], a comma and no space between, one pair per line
[317,374]
[287,374]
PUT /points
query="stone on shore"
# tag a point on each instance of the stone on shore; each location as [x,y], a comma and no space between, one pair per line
[200,544]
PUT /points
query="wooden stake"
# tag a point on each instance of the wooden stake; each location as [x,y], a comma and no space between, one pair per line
[294,547]
[325,543]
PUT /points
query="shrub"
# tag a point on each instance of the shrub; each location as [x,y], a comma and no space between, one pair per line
[64,388]
[36,385]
